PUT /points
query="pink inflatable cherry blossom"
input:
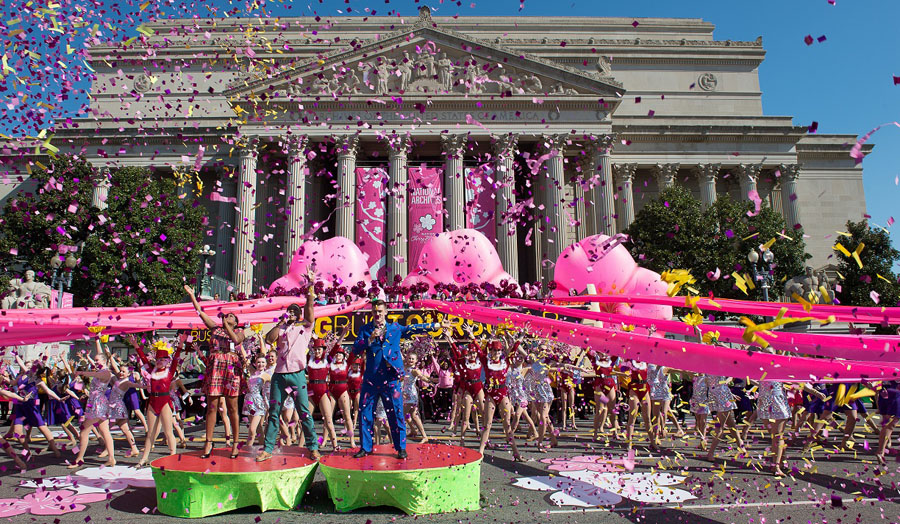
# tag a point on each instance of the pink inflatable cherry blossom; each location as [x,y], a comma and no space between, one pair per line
[336,260]
[458,257]
[606,263]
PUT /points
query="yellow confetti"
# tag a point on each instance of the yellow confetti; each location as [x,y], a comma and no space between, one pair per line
[739,282]
[857,252]
[768,245]
[145,5]
[144,30]
[842,249]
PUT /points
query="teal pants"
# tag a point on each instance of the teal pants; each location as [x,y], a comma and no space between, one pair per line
[297,384]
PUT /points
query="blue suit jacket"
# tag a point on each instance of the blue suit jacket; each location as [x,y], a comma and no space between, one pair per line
[386,349]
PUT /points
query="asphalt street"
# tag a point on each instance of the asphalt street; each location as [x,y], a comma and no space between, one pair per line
[676,485]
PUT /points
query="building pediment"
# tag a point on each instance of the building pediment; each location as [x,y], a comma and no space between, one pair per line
[426,61]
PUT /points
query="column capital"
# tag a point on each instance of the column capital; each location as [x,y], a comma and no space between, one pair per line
[707,171]
[100,176]
[791,171]
[749,171]
[454,145]
[296,144]
[603,144]
[398,145]
[504,146]
[346,145]
[554,142]
[625,172]
[666,173]
[249,148]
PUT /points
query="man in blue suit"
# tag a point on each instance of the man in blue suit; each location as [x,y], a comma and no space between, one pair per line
[383,378]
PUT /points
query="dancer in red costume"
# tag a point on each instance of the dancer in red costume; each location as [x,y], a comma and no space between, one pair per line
[317,371]
[471,385]
[495,369]
[339,387]
[160,408]
[604,390]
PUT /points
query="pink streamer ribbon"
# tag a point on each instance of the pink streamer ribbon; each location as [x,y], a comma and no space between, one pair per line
[688,356]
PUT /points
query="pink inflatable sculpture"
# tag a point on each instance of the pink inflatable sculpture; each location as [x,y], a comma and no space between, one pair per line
[336,260]
[458,257]
[606,263]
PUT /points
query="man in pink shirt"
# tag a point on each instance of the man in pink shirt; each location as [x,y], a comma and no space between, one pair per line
[291,337]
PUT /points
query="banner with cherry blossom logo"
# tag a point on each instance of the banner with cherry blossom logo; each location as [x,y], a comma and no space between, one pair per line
[480,200]
[371,205]
[426,209]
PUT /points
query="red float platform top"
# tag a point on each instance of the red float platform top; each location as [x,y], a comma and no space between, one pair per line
[384,458]
[221,461]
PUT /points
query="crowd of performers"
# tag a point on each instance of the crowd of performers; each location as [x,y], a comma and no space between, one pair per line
[537,388]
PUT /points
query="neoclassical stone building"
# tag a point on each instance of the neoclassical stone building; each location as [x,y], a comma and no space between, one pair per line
[571,123]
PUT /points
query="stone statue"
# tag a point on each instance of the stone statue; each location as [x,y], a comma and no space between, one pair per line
[472,85]
[825,285]
[427,68]
[405,70]
[533,84]
[806,286]
[351,82]
[27,294]
[320,85]
[604,66]
[383,76]
[445,71]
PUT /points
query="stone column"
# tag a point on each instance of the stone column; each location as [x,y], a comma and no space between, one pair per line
[454,147]
[625,178]
[707,174]
[246,224]
[296,199]
[555,237]
[748,174]
[397,211]
[100,191]
[603,194]
[789,175]
[505,175]
[665,175]
[345,218]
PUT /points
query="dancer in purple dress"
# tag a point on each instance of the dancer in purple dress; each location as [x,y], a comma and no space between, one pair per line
[27,413]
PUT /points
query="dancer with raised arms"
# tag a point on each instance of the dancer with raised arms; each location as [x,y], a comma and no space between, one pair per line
[291,337]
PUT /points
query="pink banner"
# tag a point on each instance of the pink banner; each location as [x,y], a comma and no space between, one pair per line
[676,354]
[480,201]
[426,209]
[371,206]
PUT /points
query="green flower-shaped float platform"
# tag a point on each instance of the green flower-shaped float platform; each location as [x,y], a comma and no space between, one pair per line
[434,478]
[193,487]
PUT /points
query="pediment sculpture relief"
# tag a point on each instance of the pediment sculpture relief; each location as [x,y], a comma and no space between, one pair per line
[424,69]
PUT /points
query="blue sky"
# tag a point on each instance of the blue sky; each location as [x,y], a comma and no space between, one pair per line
[844,83]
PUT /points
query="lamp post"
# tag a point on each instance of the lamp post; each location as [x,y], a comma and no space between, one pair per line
[769,258]
[62,276]
[204,278]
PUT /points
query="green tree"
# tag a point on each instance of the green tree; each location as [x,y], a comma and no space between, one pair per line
[878,257]
[53,212]
[673,233]
[136,251]
[146,241]
[670,232]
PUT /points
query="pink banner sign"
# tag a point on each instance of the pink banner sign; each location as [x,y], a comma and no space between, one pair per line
[426,209]
[480,201]
[371,206]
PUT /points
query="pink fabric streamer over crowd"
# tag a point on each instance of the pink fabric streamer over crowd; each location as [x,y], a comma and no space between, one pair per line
[33,326]
[688,356]
[875,348]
